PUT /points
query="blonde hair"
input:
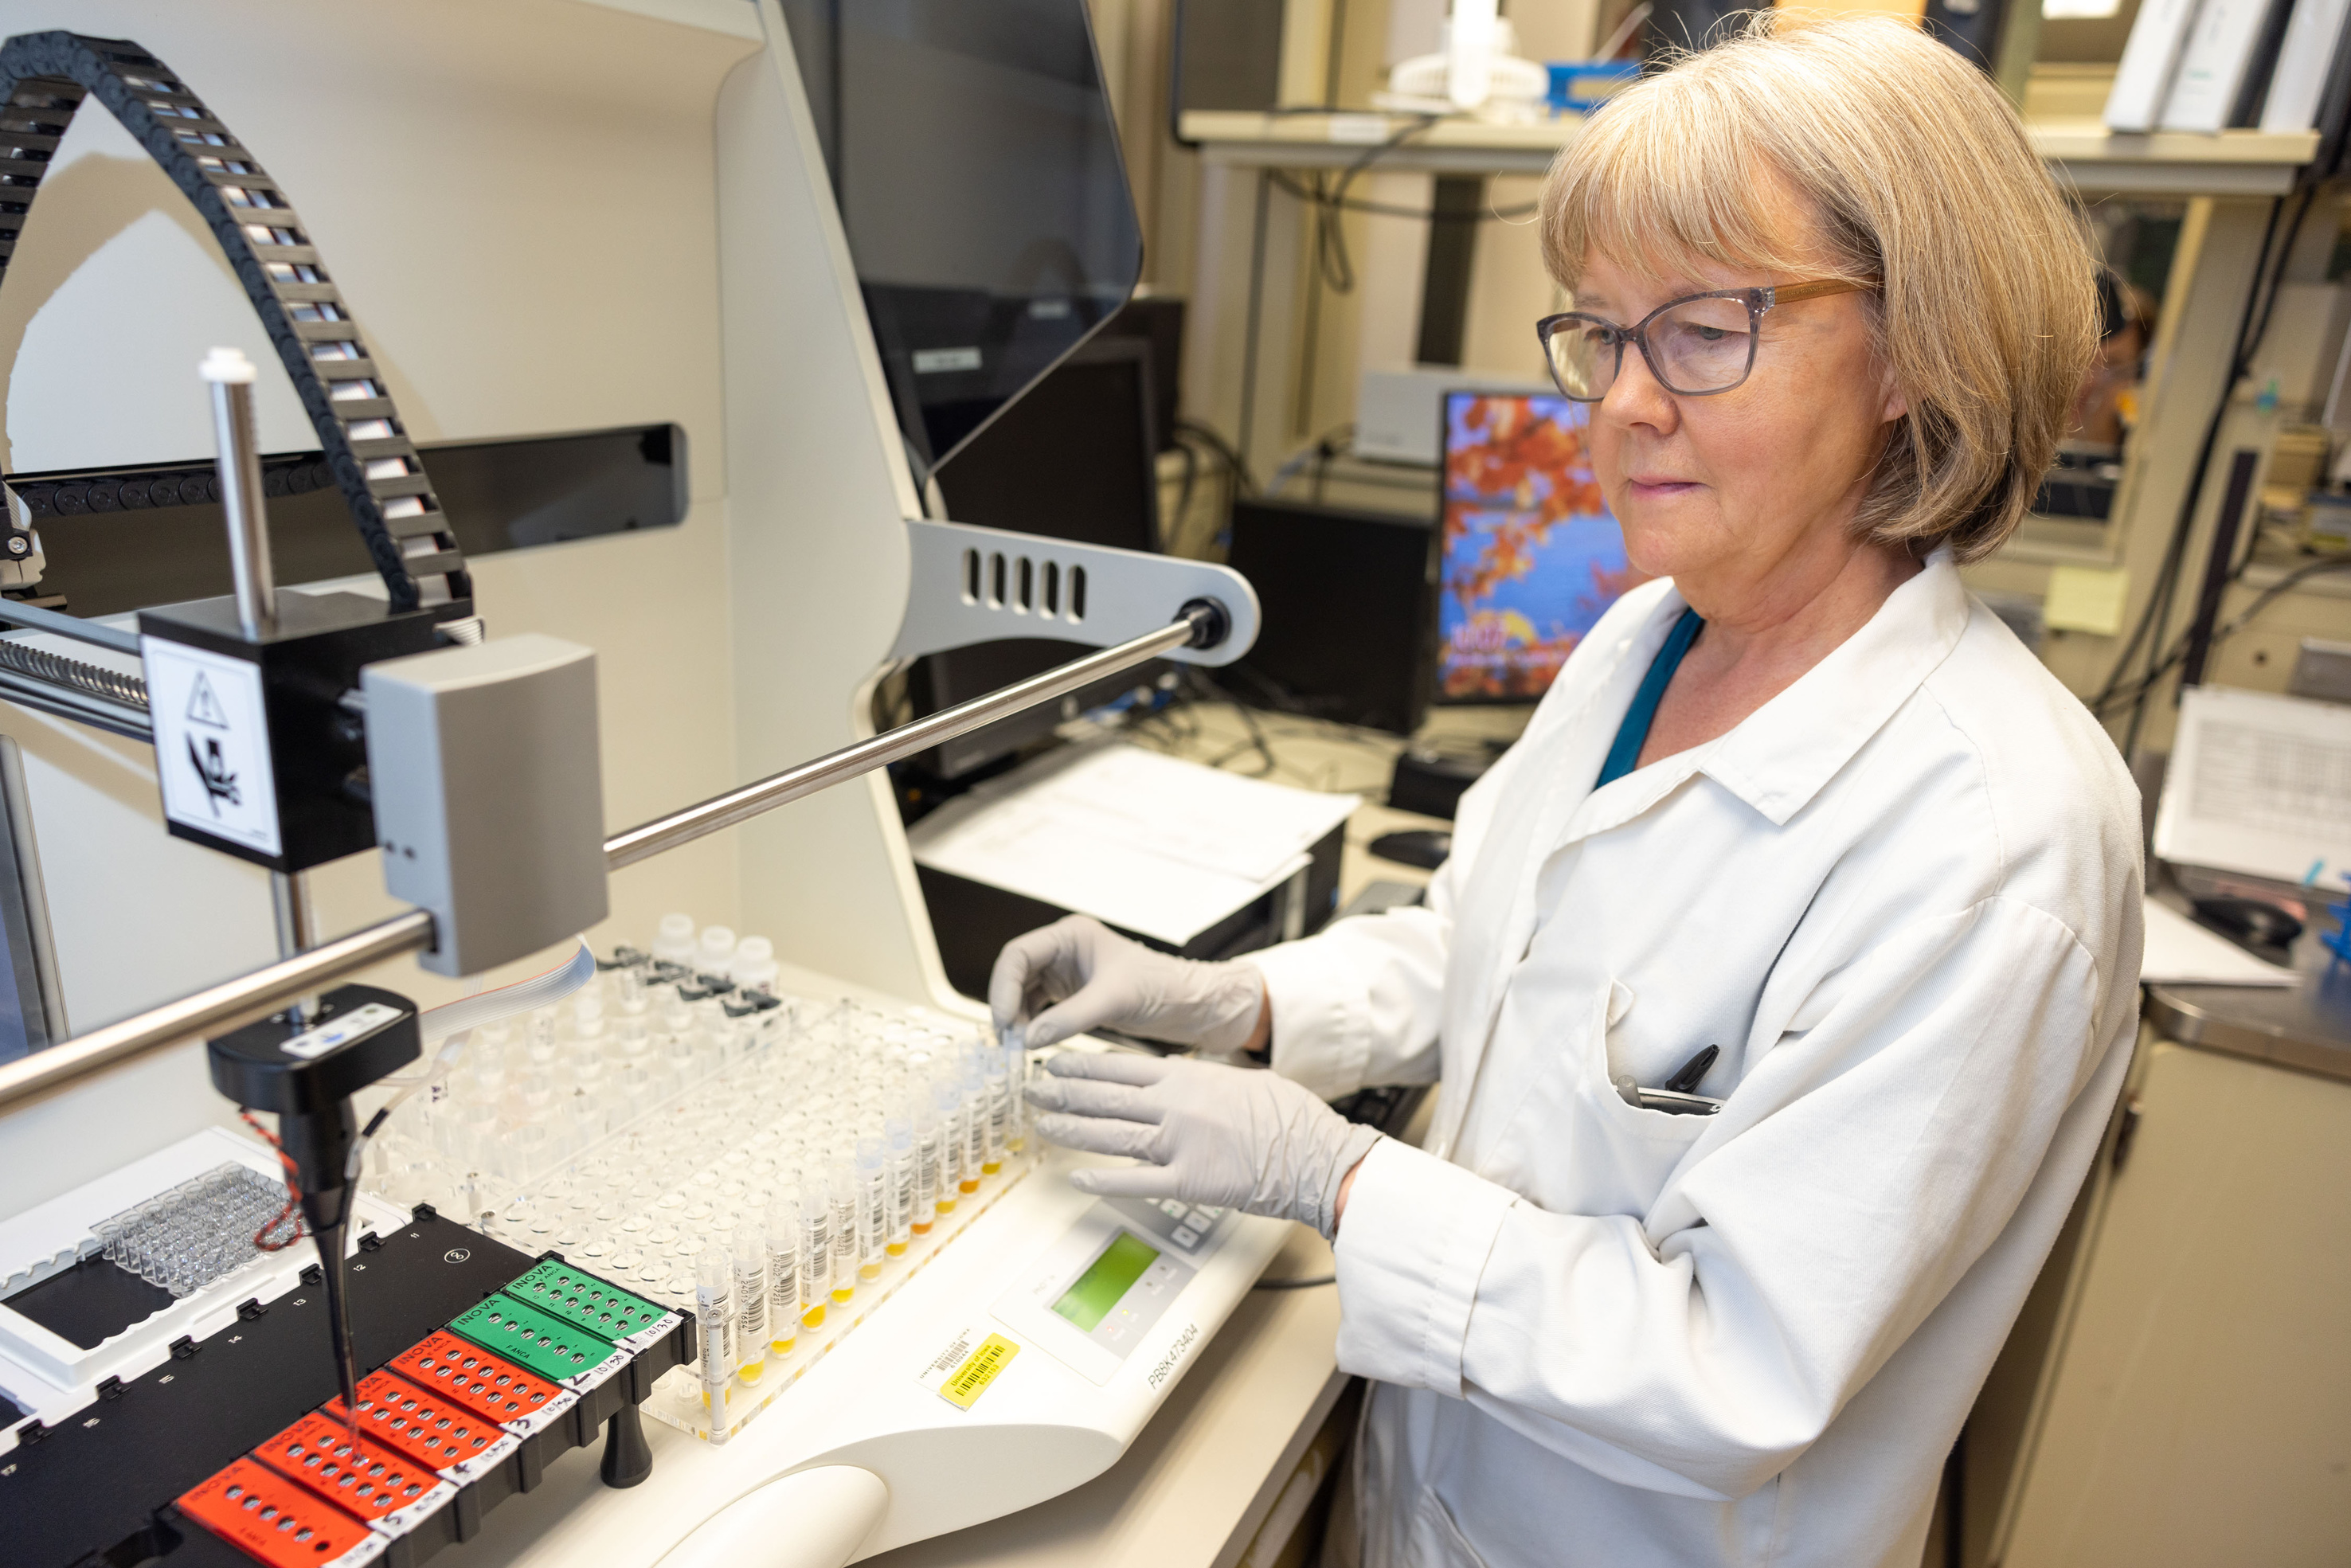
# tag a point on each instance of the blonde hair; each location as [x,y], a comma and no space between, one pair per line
[1918,178]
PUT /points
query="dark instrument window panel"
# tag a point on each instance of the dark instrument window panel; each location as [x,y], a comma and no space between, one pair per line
[982,192]
[118,539]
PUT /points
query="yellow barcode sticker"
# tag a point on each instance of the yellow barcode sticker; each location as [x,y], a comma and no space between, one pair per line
[969,1381]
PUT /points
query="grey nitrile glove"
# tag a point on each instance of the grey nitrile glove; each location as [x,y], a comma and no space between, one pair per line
[1231,1137]
[1096,976]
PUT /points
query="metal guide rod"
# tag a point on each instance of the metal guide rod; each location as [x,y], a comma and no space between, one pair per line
[243,1000]
[215,1009]
[230,375]
[648,839]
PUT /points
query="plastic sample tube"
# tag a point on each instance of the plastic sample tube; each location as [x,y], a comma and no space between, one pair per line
[748,1251]
[927,1155]
[714,954]
[975,1123]
[999,1108]
[873,1208]
[898,1133]
[841,1183]
[946,1098]
[816,1252]
[1016,1071]
[781,1234]
[714,1310]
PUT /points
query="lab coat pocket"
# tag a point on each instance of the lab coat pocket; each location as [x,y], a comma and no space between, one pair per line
[1633,1150]
[1433,1540]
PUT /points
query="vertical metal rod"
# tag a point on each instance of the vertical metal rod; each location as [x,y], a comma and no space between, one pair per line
[230,375]
[290,903]
[290,906]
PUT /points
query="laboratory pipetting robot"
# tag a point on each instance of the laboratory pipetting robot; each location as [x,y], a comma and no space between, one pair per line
[816,1124]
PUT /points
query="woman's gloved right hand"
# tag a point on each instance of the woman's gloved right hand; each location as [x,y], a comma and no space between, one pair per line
[1078,974]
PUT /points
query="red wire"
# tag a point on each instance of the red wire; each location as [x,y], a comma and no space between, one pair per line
[293,1191]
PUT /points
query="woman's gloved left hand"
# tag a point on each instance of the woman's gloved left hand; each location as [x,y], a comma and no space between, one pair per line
[1229,1137]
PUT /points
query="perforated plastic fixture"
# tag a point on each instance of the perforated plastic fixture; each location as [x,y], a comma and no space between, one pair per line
[533,1340]
[560,1291]
[370,1482]
[44,78]
[403,1416]
[468,1375]
[276,1522]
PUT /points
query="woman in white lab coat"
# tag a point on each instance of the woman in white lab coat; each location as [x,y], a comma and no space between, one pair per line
[1801,829]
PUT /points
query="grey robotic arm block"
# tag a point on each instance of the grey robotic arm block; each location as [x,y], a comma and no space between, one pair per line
[484,767]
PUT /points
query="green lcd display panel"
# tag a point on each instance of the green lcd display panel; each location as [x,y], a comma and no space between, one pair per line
[1097,1290]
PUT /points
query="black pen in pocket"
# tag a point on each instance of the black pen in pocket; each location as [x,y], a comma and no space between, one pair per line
[1676,1097]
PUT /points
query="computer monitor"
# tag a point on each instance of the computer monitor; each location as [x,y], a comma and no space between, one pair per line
[1073,459]
[1348,612]
[1530,556]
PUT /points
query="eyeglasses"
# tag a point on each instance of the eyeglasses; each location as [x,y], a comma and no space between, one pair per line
[1696,346]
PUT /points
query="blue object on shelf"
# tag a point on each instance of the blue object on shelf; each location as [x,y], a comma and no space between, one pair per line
[1579,86]
[2338,941]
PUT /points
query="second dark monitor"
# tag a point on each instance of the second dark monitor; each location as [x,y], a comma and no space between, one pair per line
[1348,625]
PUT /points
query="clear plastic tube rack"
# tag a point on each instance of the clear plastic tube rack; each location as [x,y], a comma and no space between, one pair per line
[689,1132]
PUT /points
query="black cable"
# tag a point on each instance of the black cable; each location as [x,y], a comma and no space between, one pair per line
[2267,597]
[1331,262]
[2252,327]
[1222,449]
[2148,618]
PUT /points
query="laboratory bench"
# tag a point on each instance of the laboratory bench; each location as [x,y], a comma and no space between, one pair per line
[1317,754]
[2178,1389]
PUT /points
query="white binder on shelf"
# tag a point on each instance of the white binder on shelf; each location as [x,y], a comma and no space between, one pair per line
[2150,57]
[2213,61]
[2312,52]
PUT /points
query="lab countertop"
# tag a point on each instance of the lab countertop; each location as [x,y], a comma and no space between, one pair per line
[2306,1026]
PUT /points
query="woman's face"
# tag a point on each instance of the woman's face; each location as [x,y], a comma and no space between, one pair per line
[1724,493]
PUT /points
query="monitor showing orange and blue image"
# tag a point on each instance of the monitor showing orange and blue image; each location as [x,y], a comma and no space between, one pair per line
[1531,557]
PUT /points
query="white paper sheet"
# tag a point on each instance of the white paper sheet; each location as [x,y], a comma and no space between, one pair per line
[2183,953]
[1150,843]
[2259,784]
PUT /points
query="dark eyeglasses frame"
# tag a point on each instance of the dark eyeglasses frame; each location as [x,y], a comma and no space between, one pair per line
[1757,301]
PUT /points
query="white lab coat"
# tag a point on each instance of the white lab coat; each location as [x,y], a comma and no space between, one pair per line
[1903,898]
